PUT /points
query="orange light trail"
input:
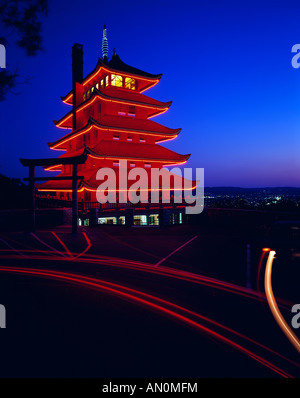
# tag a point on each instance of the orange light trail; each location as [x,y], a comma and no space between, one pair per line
[273,305]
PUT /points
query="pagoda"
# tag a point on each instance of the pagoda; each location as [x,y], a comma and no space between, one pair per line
[110,120]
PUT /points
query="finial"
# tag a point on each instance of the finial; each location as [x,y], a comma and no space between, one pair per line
[104,45]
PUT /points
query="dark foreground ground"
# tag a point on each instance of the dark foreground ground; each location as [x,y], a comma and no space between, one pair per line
[113,302]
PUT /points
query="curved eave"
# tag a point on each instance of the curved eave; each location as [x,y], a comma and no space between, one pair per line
[89,187]
[179,160]
[92,122]
[58,186]
[160,107]
[153,79]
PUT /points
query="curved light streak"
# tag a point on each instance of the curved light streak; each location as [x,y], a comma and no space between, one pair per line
[143,298]
[273,305]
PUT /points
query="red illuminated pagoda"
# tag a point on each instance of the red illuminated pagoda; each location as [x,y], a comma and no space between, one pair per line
[110,120]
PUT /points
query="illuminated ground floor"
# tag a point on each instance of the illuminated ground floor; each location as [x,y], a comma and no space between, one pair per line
[129,217]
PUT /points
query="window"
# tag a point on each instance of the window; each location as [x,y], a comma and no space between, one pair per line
[129,138]
[84,97]
[140,220]
[116,80]
[106,80]
[131,110]
[147,165]
[87,196]
[142,139]
[88,94]
[86,139]
[116,138]
[129,83]
[122,111]
[132,164]
[116,164]
[102,83]
[180,218]
[97,86]
[92,89]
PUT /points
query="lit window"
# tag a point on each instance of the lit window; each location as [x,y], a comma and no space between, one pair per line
[129,138]
[97,86]
[102,83]
[88,94]
[116,138]
[142,140]
[116,80]
[92,89]
[180,218]
[84,97]
[106,80]
[130,83]
[132,164]
[116,164]
[147,165]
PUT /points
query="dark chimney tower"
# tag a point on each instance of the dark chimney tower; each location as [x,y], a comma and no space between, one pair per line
[77,75]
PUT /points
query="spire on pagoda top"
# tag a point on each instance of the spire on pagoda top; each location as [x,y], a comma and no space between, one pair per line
[104,45]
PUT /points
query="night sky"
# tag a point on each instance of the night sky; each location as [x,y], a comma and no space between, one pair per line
[226,66]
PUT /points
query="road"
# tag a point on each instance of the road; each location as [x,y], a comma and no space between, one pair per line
[141,303]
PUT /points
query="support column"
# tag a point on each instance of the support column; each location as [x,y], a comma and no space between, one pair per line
[32,198]
[75,199]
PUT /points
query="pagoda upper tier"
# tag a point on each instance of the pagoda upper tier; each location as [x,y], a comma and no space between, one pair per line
[110,100]
[134,78]
[110,123]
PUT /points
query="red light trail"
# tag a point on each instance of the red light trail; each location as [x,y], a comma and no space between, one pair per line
[150,301]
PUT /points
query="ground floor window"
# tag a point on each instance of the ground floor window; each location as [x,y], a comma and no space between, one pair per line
[154,219]
[122,220]
[180,218]
[107,220]
[140,220]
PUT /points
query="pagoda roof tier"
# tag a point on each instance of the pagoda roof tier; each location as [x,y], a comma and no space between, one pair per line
[135,151]
[91,183]
[120,124]
[123,97]
[80,152]
[59,185]
[116,65]
[107,149]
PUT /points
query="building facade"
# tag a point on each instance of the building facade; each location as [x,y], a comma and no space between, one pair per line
[110,120]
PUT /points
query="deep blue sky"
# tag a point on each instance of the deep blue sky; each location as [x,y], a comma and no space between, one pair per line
[226,66]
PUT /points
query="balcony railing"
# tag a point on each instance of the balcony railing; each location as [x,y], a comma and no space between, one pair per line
[46,201]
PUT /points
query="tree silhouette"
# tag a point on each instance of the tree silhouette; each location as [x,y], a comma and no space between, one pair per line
[21,17]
